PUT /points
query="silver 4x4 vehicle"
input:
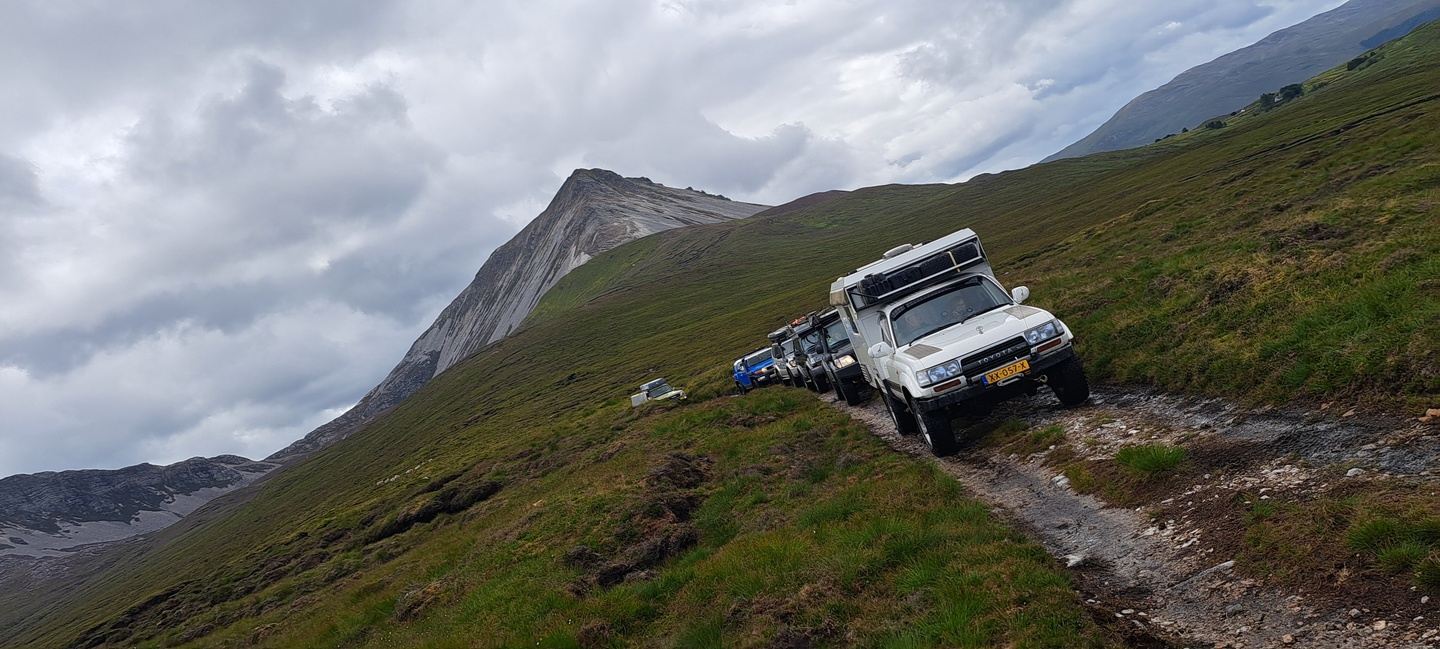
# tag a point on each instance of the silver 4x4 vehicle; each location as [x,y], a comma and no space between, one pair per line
[809,358]
[782,348]
[938,337]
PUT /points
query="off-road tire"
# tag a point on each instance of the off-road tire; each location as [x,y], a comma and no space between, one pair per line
[899,414]
[1068,382]
[822,383]
[936,431]
[740,388]
[850,392]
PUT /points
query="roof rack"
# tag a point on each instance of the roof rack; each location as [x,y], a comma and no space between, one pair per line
[887,286]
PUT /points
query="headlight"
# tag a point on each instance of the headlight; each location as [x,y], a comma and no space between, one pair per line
[844,361]
[939,373]
[1042,333]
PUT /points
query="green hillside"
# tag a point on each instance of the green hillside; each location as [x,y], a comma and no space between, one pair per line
[517,498]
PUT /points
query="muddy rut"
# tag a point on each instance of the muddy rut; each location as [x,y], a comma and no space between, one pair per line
[1161,581]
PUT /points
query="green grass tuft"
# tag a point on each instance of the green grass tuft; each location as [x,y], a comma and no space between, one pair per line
[1376,534]
[1150,459]
[1401,557]
[1427,573]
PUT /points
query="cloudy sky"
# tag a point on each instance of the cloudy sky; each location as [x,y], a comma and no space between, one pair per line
[221,223]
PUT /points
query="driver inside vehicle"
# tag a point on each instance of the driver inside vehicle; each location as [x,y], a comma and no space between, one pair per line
[944,309]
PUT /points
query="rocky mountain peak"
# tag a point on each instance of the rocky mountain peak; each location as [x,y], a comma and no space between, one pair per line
[593,211]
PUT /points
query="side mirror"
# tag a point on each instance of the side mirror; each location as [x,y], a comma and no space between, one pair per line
[1020,294]
[881,350]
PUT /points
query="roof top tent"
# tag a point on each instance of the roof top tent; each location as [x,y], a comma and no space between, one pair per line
[902,271]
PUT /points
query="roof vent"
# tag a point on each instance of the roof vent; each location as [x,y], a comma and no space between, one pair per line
[898,250]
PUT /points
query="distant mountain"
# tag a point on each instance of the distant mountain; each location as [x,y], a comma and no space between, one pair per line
[49,514]
[1232,81]
[594,211]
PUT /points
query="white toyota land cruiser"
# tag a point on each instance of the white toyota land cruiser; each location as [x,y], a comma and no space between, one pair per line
[938,337]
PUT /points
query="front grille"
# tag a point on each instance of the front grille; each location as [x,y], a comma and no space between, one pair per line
[995,356]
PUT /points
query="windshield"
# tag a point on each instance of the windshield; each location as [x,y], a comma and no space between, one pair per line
[790,346]
[658,390]
[944,309]
[812,340]
[757,358]
[835,334]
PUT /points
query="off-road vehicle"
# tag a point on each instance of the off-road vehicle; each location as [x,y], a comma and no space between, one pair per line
[782,348]
[809,353]
[656,390]
[754,370]
[838,359]
[938,337]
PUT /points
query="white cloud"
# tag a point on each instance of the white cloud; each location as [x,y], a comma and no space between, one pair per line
[219,224]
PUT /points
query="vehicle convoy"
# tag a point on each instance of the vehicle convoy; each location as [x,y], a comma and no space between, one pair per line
[838,358]
[754,370]
[937,337]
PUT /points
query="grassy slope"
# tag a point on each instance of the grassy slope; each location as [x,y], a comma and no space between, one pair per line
[1289,254]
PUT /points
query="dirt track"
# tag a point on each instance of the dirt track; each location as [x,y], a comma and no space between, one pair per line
[1167,581]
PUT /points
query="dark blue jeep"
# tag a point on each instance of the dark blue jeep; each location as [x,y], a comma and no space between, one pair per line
[754,370]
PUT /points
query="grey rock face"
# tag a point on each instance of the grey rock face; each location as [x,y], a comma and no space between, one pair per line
[594,211]
[1232,81]
[47,514]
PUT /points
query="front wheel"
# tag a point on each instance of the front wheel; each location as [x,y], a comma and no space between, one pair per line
[822,383]
[936,431]
[1068,382]
[904,423]
[740,388]
[850,392]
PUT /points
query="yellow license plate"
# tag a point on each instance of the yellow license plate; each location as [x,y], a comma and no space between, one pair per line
[996,376]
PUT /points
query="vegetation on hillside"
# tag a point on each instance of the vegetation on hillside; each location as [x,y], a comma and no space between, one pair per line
[517,498]
[1291,254]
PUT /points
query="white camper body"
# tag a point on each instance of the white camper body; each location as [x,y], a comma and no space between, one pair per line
[863,317]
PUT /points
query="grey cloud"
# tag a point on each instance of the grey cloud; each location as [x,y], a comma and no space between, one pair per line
[68,55]
[220,222]
[18,189]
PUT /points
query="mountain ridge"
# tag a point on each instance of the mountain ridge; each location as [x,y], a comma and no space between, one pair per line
[593,211]
[1233,80]
[48,514]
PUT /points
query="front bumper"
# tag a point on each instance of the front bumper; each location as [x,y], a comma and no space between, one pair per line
[974,391]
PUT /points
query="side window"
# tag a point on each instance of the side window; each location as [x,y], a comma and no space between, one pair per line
[885,332]
[852,320]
